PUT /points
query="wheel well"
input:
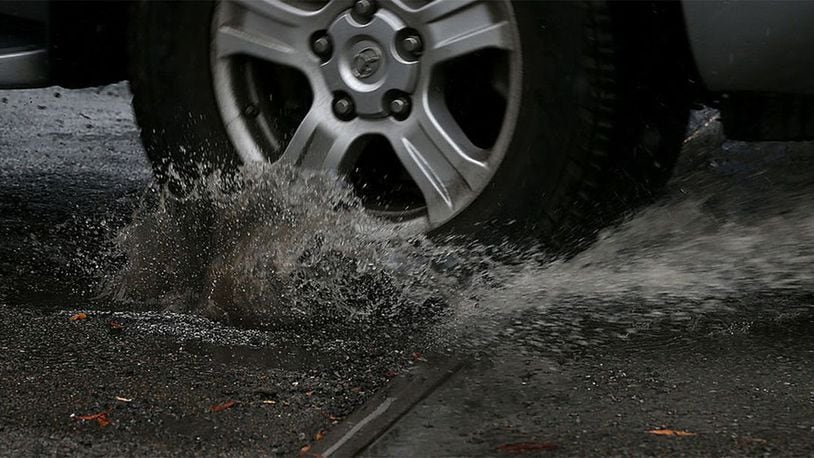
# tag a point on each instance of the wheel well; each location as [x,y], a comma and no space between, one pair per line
[656,34]
[88,42]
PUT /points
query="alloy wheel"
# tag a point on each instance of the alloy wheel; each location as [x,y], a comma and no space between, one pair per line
[413,101]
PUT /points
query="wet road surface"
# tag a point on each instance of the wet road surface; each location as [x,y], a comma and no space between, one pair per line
[737,393]
[71,174]
[695,315]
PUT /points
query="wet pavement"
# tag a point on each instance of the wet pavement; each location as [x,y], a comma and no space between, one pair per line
[737,393]
[693,316]
[72,172]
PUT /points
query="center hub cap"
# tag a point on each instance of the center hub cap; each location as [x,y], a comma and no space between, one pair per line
[366,65]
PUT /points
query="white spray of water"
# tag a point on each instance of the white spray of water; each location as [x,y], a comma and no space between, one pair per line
[290,247]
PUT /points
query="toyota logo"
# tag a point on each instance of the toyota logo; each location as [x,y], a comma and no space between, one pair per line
[366,62]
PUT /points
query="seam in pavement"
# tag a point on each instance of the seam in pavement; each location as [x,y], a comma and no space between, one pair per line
[385,409]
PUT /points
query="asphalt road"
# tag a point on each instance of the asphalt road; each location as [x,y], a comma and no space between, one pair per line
[694,316]
[72,172]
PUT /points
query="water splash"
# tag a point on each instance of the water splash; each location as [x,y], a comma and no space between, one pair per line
[730,244]
[286,248]
[278,247]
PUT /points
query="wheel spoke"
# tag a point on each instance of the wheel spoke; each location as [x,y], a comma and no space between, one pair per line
[466,40]
[277,11]
[319,143]
[440,9]
[467,159]
[232,41]
[443,169]
[271,30]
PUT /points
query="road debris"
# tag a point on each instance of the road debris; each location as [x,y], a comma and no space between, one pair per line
[100,418]
[418,356]
[222,406]
[114,327]
[670,432]
[78,316]
[330,417]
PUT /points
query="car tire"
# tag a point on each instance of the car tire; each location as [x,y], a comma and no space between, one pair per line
[601,118]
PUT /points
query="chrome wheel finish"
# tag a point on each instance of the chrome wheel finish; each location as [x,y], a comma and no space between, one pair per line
[375,70]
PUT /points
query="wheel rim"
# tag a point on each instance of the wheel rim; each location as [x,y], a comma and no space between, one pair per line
[391,73]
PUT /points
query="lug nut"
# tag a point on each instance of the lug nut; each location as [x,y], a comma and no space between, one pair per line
[364,8]
[412,44]
[322,46]
[343,108]
[400,107]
